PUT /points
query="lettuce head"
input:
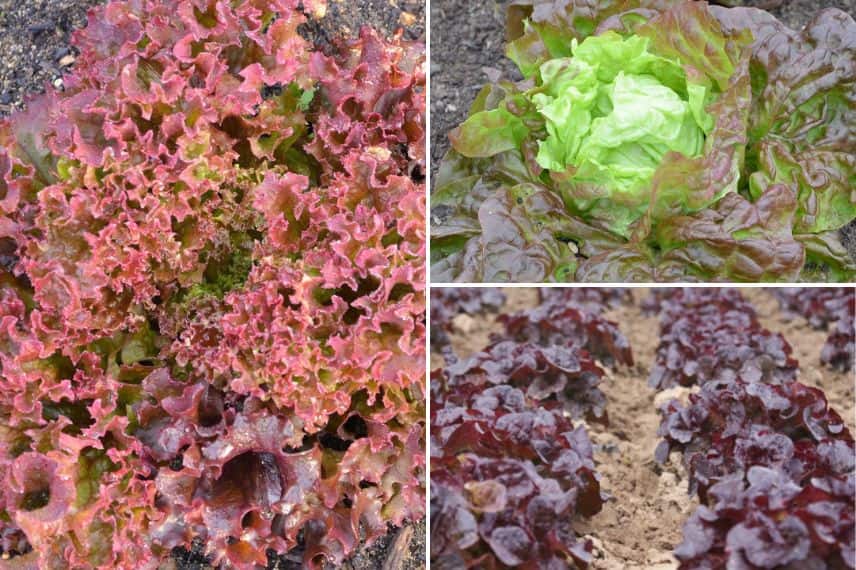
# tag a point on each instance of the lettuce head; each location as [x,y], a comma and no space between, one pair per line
[634,122]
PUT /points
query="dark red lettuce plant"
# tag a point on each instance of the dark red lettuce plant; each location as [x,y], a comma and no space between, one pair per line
[561,321]
[824,308]
[562,372]
[592,299]
[772,464]
[212,292]
[766,520]
[654,140]
[509,470]
[674,303]
[695,350]
[727,429]
[714,335]
[509,473]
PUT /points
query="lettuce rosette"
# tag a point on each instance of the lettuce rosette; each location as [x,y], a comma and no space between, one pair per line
[654,141]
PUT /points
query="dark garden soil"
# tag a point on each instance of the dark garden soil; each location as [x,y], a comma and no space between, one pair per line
[641,525]
[35,52]
[468,44]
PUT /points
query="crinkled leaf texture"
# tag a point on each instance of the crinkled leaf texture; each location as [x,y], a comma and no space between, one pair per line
[212,297]
[772,464]
[509,470]
[508,475]
[655,140]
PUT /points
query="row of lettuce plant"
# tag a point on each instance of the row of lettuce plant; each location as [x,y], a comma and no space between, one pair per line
[826,308]
[771,464]
[212,307]
[654,140]
[509,470]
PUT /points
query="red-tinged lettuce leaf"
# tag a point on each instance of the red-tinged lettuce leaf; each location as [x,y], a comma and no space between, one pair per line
[695,351]
[563,325]
[713,336]
[524,234]
[725,305]
[517,240]
[802,117]
[737,240]
[768,521]
[729,427]
[691,34]
[509,475]
[626,263]
[539,30]
[695,183]
[563,373]
[823,179]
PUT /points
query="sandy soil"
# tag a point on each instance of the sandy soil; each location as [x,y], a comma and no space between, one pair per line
[640,526]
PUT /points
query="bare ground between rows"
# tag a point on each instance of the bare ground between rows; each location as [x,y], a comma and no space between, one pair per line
[468,45]
[640,526]
[35,52]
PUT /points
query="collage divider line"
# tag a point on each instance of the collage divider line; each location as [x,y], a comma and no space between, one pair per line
[427,273]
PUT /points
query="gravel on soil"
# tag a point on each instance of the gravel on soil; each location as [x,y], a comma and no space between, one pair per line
[34,48]
[640,526]
[35,52]
[468,45]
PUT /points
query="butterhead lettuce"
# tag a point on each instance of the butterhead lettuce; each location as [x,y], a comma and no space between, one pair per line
[612,111]
[636,119]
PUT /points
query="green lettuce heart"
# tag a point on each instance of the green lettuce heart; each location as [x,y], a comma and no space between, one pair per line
[613,111]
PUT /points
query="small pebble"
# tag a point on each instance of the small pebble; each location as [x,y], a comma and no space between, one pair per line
[39,27]
[57,82]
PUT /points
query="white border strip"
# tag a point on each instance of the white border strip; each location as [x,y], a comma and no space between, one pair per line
[427,388]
